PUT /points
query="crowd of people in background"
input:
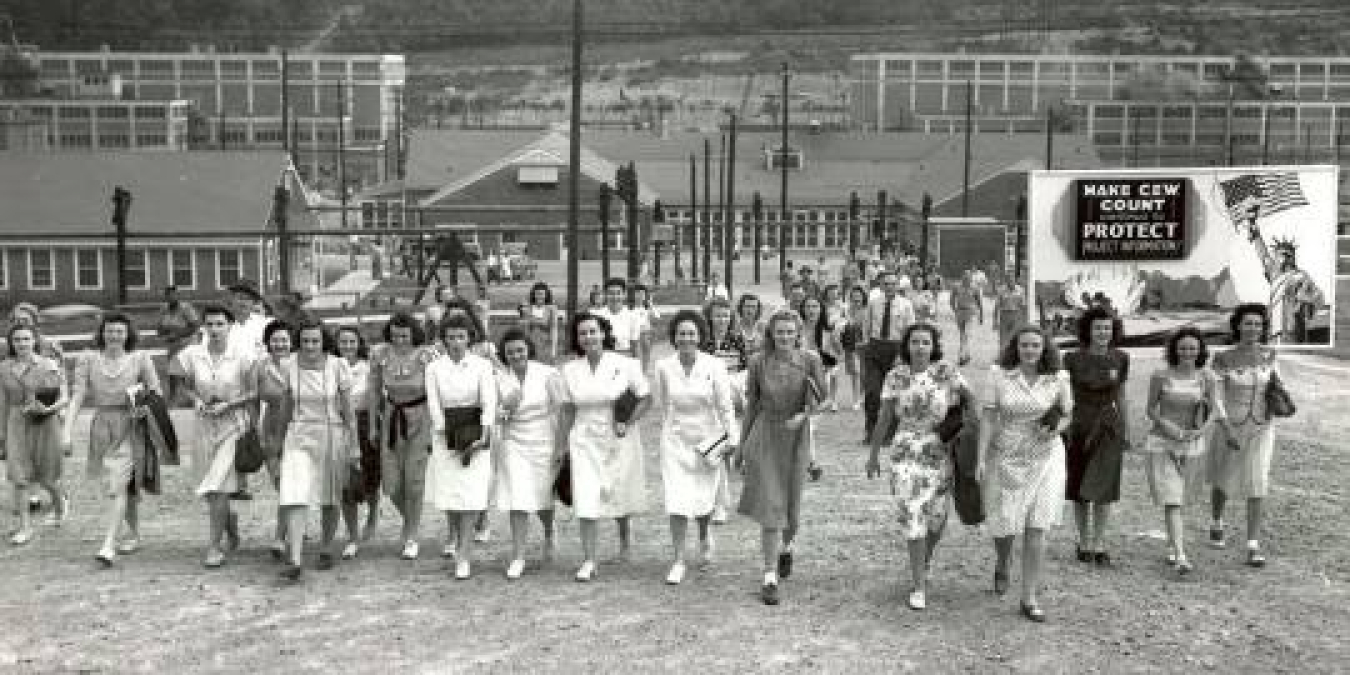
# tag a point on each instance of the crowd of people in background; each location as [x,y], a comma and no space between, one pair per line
[454,410]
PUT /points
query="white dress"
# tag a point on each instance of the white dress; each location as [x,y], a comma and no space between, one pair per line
[525,470]
[319,446]
[607,471]
[626,324]
[468,383]
[696,406]
[217,378]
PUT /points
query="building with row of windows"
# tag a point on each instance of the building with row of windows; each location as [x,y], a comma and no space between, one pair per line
[235,100]
[105,124]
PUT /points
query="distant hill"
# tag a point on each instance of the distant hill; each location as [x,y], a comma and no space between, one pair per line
[439,25]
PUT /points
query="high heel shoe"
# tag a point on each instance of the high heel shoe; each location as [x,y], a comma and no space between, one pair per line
[1033,612]
[1084,555]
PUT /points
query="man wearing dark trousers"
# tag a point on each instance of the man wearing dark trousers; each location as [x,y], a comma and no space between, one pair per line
[889,313]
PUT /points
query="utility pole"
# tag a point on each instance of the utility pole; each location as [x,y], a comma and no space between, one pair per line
[1050,136]
[729,220]
[1265,134]
[926,212]
[605,197]
[783,219]
[721,195]
[707,209]
[280,202]
[965,169]
[882,228]
[634,229]
[287,138]
[694,224]
[341,150]
[121,205]
[574,167]
[854,207]
[757,213]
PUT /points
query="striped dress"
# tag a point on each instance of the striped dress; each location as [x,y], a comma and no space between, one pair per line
[1025,476]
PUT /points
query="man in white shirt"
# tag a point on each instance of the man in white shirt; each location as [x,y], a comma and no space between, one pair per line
[626,324]
[249,323]
[889,314]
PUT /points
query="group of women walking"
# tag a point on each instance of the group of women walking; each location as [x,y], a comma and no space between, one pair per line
[450,419]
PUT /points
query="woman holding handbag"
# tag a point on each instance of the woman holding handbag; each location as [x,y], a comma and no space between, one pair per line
[1241,450]
[1098,435]
[727,343]
[220,387]
[530,394]
[694,392]
[1022,456]
[605,394]
[117,448]
[462,399]
[320,445]
[1183,403]
[916,397]
[33,391]
[782,392]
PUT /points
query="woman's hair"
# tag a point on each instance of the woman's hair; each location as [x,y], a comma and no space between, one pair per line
[462,322]
[820,325]
[362,348]
[781,315]
[740,306]
[1257,308]
[1049,361]
[933,332]
[1173,340]
[690,315]
[860,290]
[616,282]
[1094,314]
[116,317]
[574,330]
[516,335]
[647,300]
[310,323]
[825,292]
[540,286]
[215,309]
[29,309]
[271,329]
[9,337]
[405,320]
[477,333]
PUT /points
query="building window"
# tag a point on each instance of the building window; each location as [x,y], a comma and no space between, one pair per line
[229,267]
[114,141]
[41,269]
[183,268]
[137,275]
[74,113]
[151,140]
[88,269]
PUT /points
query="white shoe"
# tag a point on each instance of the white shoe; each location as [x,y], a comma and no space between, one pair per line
[410,550]
[462,570]
[483,536]
[516,569]
[587,572]
[719,515]
[128,546]
[21,537]
[449,551]
[349,551]
[917,600]
[676,574]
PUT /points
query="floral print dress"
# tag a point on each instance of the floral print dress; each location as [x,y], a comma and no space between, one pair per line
[921,467]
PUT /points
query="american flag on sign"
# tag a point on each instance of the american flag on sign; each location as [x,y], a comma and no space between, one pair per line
[1272,192]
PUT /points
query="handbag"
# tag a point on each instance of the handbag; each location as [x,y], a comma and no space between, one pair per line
[625,405]
[462,430]
[1053,416]
[951,424]
[851,336]
[1278,401]
[249,456]
[562,483]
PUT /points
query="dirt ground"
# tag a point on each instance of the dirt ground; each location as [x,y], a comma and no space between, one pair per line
[843,609]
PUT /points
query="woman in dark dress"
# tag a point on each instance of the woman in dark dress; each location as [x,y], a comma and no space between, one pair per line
[1098,435]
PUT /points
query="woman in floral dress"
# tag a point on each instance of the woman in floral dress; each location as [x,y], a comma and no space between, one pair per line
[32,393]
[117,452]
[1022,456]
[274,395]
[1240,452]
[782,391]
[916,396]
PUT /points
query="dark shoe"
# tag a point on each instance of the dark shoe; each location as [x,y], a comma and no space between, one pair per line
[35,505]
[1184,567]
[769,594]
[1103,559]
[1084,556]
[1033,612]
[242,496]
[1216,539]
[1255,558]
[1000,583]
[784,564]
[291,572]
[814,472]
[325,561]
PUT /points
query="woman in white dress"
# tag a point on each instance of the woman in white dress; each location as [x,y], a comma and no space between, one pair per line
[462,399]
[1240,453]
[539,317]
[351,346]
[648,315]
[1022,456]
[219,384]
[1183,404]
[605,453]
[530,393]
[320,449]
[693,390]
